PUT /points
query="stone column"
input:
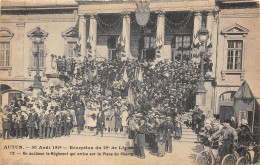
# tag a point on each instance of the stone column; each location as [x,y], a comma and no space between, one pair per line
[160,36]
[93,34]
[196,26]
[82,35]
[126,35]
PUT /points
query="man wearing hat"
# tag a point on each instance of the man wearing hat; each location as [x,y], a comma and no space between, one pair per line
[229,135]
[20,121]
[100,122]
[7,120]
[139,139]
[51,124]
[168,127]
[80,119]
[32,119]
[41,121]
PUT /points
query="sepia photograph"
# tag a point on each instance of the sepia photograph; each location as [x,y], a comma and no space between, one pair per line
[126,82]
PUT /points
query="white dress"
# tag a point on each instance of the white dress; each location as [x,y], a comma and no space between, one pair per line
[92,122]
[124,118]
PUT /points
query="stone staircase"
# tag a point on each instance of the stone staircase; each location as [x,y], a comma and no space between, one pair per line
[187,133]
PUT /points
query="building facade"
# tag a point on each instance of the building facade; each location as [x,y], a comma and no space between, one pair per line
[98,27]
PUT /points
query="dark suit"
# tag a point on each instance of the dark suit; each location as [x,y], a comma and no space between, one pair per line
[32,118]
[41,126]
[139,141]
[51,125]
[100,123]
[80,119]
[19,125]
[7,126]
[168,127]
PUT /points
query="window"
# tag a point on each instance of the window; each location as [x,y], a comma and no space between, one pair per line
[112,46]
[41,55]
[181,47]
[71,49]
[234,56]
[147,49]
[5,54]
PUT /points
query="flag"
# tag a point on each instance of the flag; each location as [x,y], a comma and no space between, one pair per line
[195,40]
[130,97]
[140,75]
[95,72]
[90,76]
[125,77]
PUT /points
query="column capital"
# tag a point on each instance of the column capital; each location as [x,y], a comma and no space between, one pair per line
[197,13]
[210,13]
[126,14]
[81,15]
[160,13]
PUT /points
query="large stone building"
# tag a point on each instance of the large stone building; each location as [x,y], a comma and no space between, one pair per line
[171,31]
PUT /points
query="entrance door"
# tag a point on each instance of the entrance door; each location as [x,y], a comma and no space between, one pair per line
[225,112]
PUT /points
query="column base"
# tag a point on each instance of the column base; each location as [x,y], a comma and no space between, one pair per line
[201,98]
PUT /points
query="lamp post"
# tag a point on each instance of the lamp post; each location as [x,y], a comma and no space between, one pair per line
[37,85]
[203,35]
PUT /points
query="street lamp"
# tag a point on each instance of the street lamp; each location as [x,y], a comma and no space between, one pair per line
[203,35]
[37,39]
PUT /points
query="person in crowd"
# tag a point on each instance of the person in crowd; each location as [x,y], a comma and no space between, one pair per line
[245,137]
[58,123]
[229,136]
[139,139]
[32,122]
[6,125]
[80,119]
[178,128]
[51,125]
[21,124]
[41,124]
[168,127]
[100,122]
[161,137]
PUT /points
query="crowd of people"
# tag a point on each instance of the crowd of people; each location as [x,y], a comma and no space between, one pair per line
[141,99]
[225,135]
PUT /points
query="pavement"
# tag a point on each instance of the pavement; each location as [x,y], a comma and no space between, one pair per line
[112,148]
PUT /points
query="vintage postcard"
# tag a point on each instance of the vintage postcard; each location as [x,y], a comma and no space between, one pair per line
[129,82]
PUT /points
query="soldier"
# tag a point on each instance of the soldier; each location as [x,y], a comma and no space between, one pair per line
[32,119]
